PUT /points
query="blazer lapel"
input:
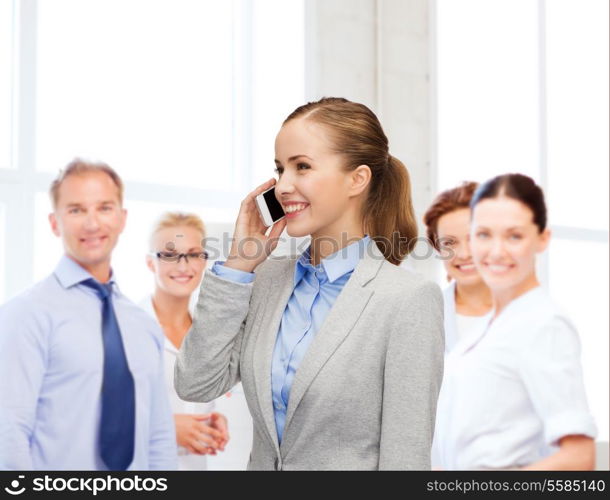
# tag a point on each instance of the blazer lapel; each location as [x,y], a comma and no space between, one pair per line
[340,320]
[265,342]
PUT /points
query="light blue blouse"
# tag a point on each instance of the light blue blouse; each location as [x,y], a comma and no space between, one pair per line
[316,289]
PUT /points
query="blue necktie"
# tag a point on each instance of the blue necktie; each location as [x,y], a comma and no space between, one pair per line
[117,427]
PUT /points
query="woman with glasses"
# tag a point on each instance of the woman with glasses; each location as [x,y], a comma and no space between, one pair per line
[177,260]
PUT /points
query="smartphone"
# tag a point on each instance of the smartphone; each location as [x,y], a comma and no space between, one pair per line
[269,208]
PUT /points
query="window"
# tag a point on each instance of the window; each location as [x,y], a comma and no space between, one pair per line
[153,101]
[182,97]
[2,261]
[537,103]
[6,81]
[577,112]
[488,121]
[284,74]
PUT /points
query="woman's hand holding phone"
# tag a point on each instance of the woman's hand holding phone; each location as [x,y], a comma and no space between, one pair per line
[251,246]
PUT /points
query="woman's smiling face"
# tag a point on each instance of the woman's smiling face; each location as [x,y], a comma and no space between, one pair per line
[313,187]
[453,231]
[504,242]
[179,279]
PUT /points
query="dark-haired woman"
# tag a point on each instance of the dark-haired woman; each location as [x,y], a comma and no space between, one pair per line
[340,351]
[515,393]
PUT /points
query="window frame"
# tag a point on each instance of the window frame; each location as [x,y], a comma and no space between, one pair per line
[21,182]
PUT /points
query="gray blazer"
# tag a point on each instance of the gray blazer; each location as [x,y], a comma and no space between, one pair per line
[364,396]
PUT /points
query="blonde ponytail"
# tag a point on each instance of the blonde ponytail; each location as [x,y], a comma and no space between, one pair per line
[390,218]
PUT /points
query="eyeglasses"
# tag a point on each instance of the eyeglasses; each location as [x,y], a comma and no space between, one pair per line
[175,257]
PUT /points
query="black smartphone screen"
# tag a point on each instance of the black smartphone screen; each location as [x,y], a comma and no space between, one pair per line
[275,209]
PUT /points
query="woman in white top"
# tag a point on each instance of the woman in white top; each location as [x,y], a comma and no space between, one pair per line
[178,260]
[467,299]
[513,396]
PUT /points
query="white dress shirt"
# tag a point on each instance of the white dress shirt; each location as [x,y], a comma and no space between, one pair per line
[512,391]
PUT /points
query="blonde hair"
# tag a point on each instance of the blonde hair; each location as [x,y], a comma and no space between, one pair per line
[78,166]
[175,219]
[357,134]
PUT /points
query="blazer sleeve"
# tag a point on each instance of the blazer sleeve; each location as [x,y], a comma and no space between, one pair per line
[208,361]
[412,380]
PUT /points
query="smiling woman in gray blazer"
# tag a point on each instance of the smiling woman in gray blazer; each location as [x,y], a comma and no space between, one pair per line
[340,351]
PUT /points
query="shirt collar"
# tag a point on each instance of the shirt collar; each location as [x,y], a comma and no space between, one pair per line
[335,265]
[70,273]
